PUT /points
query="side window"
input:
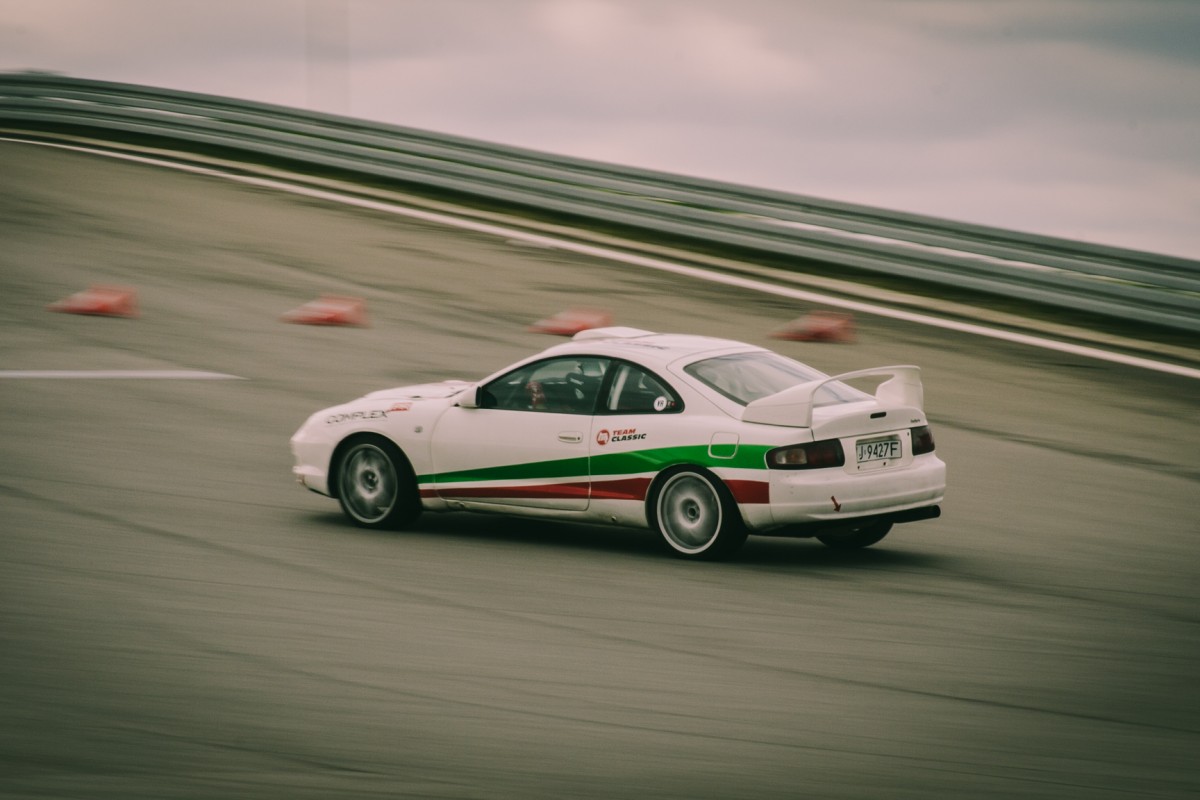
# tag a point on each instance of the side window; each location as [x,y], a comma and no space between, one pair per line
[635,391]
[558,385]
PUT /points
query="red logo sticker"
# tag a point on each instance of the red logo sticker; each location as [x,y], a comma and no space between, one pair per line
[602,437]
[400,407]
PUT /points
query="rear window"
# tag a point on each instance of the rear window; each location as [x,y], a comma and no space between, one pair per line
[746,377]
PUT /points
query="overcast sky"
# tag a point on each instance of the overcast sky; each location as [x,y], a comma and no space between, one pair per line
[1075,118]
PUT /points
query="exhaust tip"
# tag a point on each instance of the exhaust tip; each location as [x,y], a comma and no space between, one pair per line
[917,514]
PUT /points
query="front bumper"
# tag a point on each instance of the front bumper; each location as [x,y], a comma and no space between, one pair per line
[311,469]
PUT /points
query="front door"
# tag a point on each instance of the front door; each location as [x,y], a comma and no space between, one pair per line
[528,443]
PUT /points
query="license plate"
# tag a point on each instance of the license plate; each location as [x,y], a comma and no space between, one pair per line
[885,448]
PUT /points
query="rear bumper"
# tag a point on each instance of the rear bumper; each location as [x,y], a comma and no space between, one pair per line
[806,529]
[827,498]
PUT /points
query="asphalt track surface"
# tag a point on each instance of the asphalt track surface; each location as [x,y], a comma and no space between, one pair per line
[179,619]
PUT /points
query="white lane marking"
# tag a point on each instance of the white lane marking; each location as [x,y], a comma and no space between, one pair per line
[121,374]
[657,264]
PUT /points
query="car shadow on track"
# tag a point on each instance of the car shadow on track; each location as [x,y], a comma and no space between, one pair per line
[759,551]
[766,551]
[502,531]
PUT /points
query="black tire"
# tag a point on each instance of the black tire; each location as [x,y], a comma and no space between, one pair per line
[695,515]
[856,537]
[375,484]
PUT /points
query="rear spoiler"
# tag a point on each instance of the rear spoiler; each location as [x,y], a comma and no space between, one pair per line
[793,406]
[618,332]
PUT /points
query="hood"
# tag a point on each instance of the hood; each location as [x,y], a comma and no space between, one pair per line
[420,391]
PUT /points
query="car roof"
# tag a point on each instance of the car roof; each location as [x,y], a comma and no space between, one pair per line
[647,347]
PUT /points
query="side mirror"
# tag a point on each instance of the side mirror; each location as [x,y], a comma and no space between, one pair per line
[471,397]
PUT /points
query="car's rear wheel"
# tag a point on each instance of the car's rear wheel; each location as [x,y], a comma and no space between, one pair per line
[376,485]
[856,537]
[695,515]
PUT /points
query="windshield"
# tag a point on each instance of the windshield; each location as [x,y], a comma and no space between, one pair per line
[746,377]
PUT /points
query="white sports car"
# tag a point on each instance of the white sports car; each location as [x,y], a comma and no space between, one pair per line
[701,440]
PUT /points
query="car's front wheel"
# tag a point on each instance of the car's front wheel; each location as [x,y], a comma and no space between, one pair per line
[695,515]
[376,485]
[857,537]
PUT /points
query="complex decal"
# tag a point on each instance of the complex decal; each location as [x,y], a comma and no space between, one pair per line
[354,416]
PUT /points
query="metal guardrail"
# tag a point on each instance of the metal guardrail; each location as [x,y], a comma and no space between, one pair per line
[1127,284]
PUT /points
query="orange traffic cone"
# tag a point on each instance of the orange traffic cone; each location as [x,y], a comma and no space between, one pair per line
[818,326]
[572,321]
[103,301]
[330,309]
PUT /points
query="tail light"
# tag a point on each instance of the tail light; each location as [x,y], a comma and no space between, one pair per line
[922,440]
[814,455]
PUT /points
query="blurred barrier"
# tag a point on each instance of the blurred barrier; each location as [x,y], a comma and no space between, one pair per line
[1126,284]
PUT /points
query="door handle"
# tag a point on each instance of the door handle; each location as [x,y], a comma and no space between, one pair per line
[570,437]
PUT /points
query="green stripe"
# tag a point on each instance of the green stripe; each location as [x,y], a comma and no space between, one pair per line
[631,463]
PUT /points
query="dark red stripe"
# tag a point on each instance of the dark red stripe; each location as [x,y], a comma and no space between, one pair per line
[625,489]
[746,492]
[628,489]
[563,491]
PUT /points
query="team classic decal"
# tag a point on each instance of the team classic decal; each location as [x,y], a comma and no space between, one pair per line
[604,436]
